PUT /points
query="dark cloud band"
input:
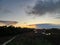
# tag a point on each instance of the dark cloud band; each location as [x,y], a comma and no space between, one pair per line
[46,6]
[8,22]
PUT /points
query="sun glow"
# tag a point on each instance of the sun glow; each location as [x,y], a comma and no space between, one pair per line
[25,25]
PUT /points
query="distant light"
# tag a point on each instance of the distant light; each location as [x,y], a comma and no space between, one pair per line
[43,32]
[48,34]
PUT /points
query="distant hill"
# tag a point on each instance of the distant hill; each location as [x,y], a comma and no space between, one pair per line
[47,26]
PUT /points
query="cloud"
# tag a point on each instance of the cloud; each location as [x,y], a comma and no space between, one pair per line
[47,26]
[8,22]
[46,6]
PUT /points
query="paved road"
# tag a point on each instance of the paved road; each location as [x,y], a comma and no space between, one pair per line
[9,40]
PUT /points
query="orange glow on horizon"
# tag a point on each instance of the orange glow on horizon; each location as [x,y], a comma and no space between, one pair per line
[25,26]
[21,25]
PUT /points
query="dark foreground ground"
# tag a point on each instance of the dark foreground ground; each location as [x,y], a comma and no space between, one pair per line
[27,36]
[29,39]
[4,39]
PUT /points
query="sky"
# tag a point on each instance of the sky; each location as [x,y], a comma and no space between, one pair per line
[27,12]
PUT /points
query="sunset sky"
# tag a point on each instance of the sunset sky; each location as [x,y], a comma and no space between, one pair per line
[27,12]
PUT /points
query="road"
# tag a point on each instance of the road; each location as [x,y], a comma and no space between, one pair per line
[9,40]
